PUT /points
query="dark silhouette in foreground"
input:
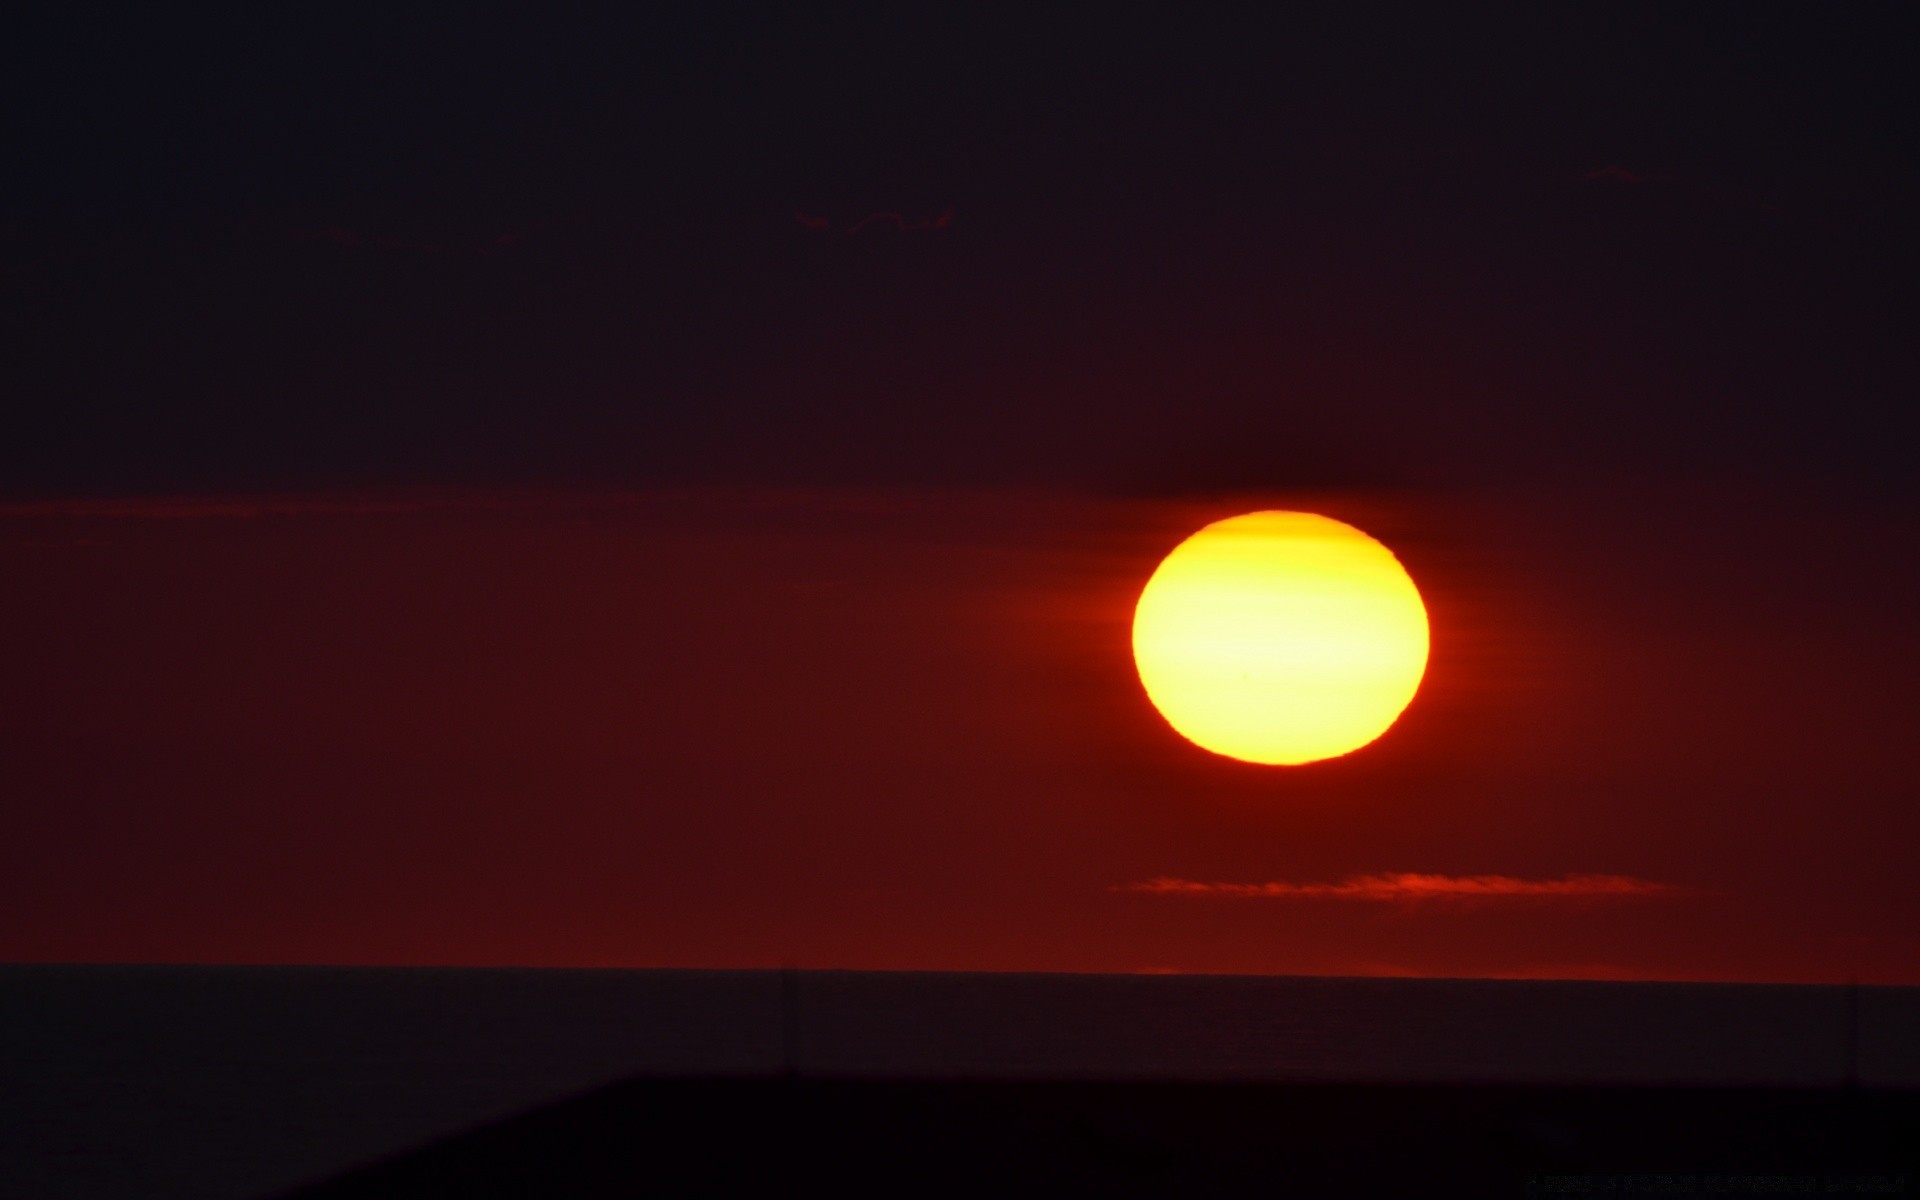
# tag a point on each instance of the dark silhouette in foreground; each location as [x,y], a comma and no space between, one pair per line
[752,1136]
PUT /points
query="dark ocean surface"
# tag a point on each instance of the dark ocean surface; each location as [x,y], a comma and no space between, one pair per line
[227,1082]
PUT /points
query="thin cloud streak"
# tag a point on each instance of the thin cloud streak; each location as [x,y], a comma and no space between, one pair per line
[1411,887]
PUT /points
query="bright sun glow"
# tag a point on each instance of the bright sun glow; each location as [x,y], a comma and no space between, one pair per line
[1280,637]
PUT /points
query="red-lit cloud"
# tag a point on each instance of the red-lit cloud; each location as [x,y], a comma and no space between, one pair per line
[1409,886]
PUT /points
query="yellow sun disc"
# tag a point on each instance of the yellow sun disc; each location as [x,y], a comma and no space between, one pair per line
[1280,637]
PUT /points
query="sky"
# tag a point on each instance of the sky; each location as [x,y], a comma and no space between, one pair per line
[669,488]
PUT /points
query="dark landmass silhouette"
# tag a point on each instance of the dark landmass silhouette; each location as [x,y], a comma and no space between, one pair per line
[891,1137]
[229,1083]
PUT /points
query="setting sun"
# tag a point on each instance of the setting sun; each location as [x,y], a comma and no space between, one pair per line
[1280,638]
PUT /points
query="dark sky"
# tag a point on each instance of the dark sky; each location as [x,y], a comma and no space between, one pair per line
[667,485]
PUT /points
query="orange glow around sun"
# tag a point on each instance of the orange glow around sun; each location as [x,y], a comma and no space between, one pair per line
[1280,638]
